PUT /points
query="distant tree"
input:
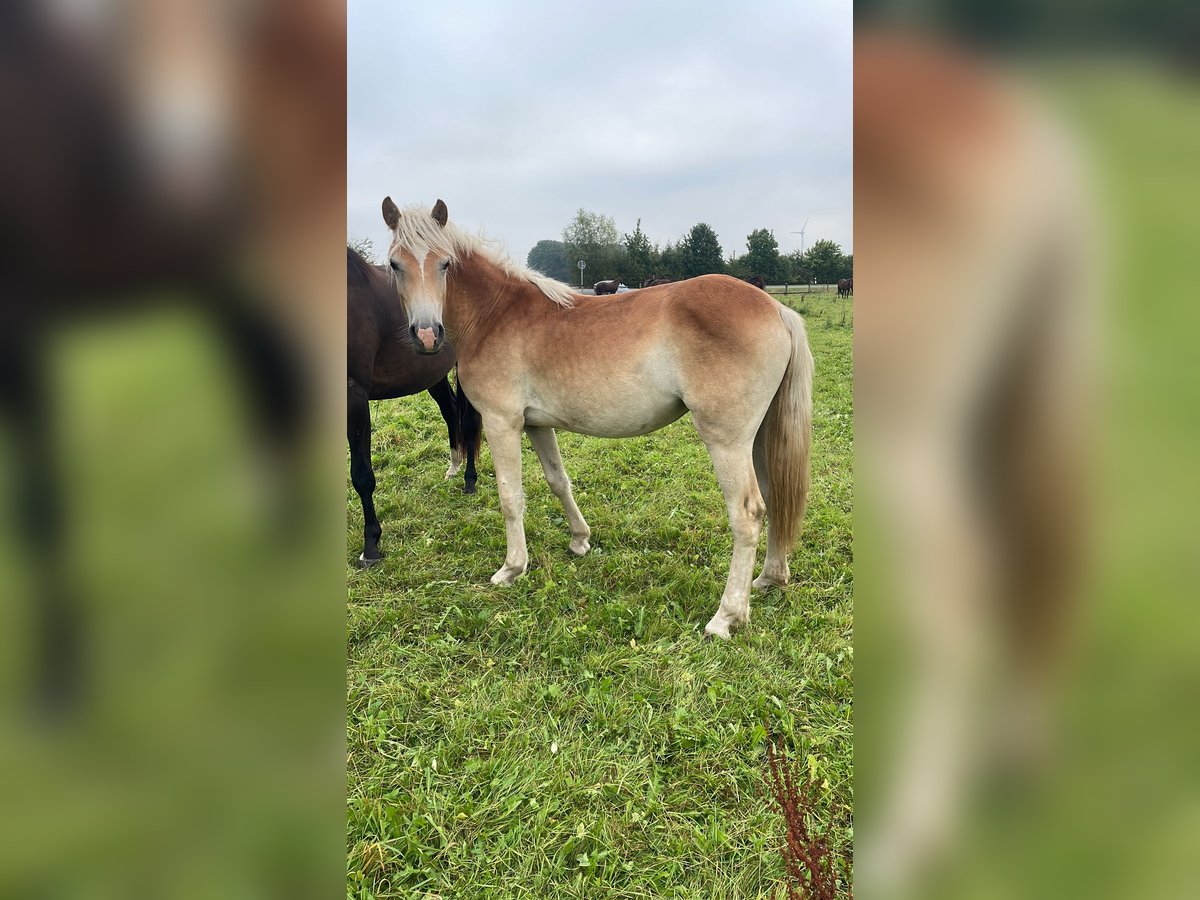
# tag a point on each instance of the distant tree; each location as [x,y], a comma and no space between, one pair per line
[700,252]
[593,238]
[640,257]
[848,272]
[787,273]
[826,262]
[670,261]
[737,267]
[797,264]
[762,255]
[366,249]
[550,258]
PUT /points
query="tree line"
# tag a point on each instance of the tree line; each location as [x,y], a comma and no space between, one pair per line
[632,258]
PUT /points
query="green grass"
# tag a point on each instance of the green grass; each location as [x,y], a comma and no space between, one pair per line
[574,735]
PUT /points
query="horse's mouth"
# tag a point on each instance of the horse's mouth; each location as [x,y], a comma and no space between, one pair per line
[428,339]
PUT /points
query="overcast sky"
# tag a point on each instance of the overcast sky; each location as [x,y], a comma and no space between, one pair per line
[518,113]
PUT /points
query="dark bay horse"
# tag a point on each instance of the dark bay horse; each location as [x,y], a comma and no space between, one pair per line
[381,364]
[655,280]
[606,287]
[845,287]
[758,281]
[109,211]
[535,356]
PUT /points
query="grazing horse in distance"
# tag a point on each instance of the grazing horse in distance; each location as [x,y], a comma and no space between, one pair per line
[654,280]
[380,365]
[535,356]
[845,287]
[758,281]
[606,287]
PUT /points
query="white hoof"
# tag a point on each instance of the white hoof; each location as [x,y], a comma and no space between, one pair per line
[507,574]
[717,627]
[580,546]
[456,461]
[765,582]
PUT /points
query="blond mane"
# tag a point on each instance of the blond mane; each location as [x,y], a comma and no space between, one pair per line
[418,232]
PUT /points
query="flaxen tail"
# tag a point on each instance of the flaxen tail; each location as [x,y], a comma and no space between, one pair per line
[787,434]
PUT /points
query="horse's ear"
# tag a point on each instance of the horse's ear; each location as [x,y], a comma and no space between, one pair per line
[391,213]
[441,215]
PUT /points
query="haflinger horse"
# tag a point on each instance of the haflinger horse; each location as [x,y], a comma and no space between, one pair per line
[381,365]
[535,356]
[606,287]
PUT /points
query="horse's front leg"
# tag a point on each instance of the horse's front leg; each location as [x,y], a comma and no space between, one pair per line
[504,438]
[443,395]
[358,434]
[545,444]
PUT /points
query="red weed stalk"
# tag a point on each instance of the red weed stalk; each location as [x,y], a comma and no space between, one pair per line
[811,870]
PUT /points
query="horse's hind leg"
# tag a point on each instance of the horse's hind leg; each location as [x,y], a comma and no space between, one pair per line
[545,444]
[358,428]
[444,396]
[775,570]
[734,466]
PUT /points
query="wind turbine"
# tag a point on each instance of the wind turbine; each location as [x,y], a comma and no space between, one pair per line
[801,233]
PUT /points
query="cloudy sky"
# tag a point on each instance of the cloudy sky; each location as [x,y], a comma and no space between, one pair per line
[518,113]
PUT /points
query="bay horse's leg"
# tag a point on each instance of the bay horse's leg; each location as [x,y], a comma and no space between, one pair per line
[358,433]
[734,466]
[545,444]
[469,426]
[504,438]
[26,403]
[443,395]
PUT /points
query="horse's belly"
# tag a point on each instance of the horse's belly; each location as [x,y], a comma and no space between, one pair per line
[627,418]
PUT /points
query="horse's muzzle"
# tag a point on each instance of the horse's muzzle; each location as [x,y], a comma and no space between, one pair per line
[427,338]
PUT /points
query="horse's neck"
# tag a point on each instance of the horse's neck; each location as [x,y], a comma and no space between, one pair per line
[478,295]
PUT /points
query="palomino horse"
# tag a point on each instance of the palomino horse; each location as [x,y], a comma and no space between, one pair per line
[606,287]
[971,391]
[535,356]
[380,365]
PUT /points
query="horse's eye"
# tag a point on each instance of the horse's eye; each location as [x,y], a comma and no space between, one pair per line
[395,266]
[446,265]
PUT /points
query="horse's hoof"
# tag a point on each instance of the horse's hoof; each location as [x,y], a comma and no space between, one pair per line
[716,629]
[364,563]
[507,575]
[580,548]
[764,583]
[469,488]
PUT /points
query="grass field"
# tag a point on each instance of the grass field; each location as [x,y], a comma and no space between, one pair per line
[574,735]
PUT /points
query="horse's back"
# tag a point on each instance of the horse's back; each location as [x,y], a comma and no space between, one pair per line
[632,363]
